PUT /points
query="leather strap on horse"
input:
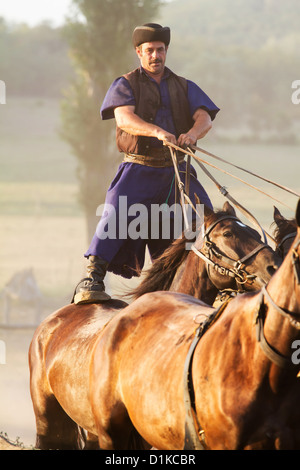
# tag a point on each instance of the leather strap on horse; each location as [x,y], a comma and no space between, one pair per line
[194,435]
[275,356]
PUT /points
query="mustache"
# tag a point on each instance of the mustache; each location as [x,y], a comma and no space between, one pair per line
[156,61]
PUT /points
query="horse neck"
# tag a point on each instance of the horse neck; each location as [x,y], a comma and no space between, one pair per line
[279,330]
[192,278]
[283,287]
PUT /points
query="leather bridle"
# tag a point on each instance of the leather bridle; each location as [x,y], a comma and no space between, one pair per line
[210,250]
[260,316]
[280,248]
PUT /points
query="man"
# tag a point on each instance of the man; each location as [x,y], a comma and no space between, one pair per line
[151,106]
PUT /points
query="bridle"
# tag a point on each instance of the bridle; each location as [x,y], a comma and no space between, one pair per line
[280,248]
[260,316]
[235,270]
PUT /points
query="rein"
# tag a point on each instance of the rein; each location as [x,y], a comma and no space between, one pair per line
[222,189]
[235,270]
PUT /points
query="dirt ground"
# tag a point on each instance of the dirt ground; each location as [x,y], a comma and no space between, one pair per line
[5,444]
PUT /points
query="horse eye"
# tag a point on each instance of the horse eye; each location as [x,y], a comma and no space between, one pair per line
[227,234]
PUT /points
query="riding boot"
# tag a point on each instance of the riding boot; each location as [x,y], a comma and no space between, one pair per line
[91,289]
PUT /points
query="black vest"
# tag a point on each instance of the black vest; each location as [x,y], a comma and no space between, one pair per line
[147,98]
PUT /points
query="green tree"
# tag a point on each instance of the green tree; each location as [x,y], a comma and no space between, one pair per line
[99,35]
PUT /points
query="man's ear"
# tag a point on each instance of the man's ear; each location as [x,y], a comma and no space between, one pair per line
[138,51]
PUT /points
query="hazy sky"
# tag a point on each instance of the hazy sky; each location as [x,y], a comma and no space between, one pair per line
[34,11]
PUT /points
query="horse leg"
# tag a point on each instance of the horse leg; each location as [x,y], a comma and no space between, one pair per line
[92,442]
[55,429]
[118,432]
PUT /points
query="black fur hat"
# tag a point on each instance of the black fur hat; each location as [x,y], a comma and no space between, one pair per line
[150,32]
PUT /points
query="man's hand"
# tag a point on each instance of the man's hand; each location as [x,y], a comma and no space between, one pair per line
[132,124]
[166,137]
[185,140]
[200,128]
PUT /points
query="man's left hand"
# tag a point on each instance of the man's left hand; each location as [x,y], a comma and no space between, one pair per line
[184,140]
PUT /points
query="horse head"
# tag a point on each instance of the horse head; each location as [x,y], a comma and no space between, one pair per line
[284,233]
[234,253]
[228,255]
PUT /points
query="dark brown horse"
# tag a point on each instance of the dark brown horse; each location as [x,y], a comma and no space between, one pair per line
[230,255]
[284,233]
[243,372]
[62,348]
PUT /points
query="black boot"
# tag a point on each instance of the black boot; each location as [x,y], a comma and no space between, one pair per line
[91,289]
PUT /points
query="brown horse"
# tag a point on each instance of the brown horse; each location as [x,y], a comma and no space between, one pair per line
[243,371]
[62,348]
[230,258]
[284,233]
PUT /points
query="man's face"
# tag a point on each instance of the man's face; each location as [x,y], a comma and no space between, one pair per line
[152,56]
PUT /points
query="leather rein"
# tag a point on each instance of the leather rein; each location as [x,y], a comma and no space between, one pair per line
[235,270]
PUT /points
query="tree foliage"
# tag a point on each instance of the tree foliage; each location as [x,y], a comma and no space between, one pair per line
[245,54]
[33,61]
[99,35]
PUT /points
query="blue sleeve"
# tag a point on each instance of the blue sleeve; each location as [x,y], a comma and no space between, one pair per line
[198,99]
[119,94]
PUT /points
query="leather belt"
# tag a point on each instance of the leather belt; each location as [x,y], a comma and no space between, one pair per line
[158,158]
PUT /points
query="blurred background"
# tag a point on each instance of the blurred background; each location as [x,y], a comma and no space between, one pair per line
[57,60]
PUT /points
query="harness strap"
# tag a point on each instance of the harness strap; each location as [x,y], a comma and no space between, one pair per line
[275,356]
[194,434]
[270,352]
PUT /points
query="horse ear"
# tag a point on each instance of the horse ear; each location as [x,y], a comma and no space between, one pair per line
[228,208]
[207,211]
[278,218]
[298,213]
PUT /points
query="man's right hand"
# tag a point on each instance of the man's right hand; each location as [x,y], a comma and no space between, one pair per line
[166,137]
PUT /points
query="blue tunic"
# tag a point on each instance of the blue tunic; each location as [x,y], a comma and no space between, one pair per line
[125,230]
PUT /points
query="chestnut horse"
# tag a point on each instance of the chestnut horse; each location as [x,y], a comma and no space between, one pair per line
[243,372]
[62,349]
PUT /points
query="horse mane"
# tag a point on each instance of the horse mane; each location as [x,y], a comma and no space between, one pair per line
[162,272]
[283,228]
